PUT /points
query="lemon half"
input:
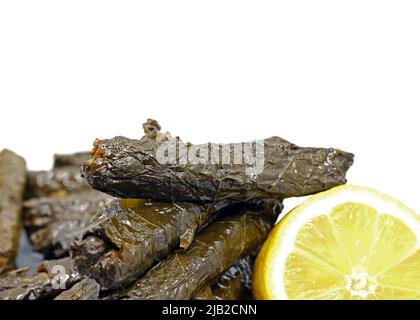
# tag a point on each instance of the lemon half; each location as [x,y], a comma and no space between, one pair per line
[346,243]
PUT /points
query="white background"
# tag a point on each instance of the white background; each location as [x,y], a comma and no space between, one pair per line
[344,74]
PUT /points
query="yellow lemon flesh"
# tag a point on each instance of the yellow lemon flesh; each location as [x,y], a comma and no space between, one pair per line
[346,243]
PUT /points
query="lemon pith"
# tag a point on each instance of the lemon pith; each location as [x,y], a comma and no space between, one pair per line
[346,243]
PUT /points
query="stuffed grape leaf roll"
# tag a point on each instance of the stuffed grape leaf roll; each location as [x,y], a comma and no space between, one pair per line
[57,182]
[129,237]
[163,168]
[72,159]
[53,223]
[217,248]
[12,186]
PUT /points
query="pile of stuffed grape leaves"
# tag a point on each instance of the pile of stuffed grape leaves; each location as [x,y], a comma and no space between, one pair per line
[151,218]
